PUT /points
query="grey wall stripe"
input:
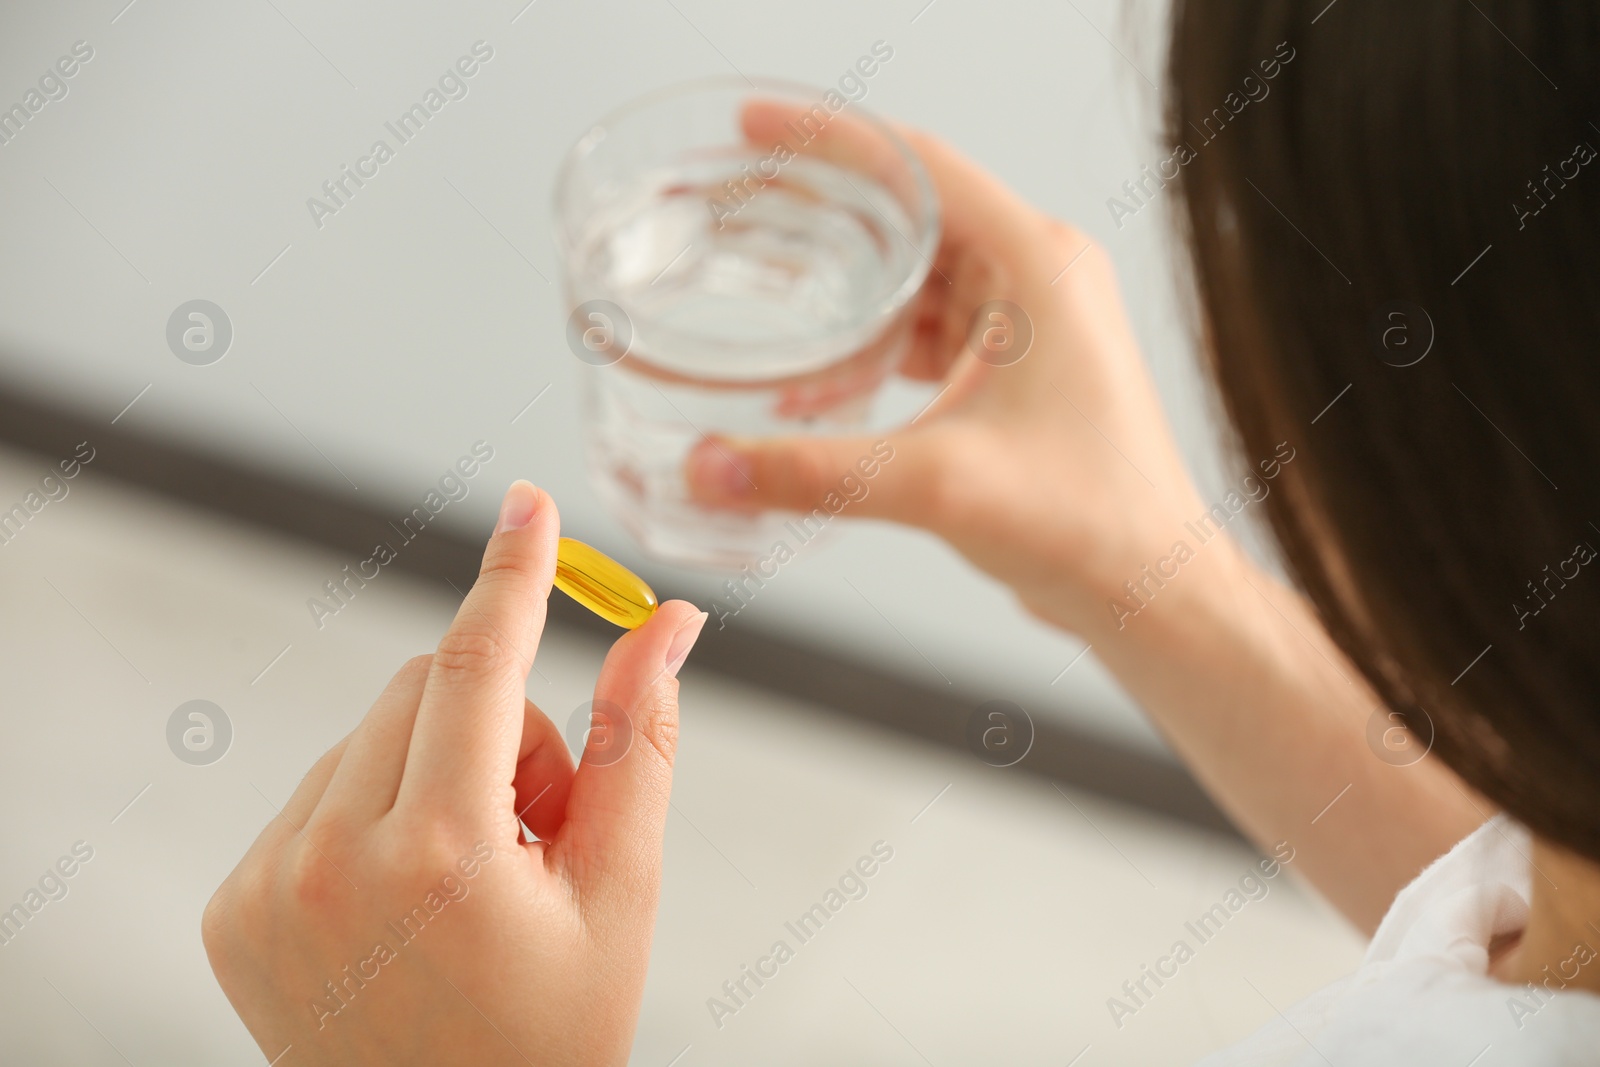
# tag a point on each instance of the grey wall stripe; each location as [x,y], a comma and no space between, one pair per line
[1062,752]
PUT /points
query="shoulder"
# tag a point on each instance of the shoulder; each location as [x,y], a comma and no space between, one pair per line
[1423,994]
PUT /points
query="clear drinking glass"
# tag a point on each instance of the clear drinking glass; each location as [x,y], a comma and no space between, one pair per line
[739,260]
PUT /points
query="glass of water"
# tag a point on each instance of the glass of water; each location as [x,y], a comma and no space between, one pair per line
[739,260]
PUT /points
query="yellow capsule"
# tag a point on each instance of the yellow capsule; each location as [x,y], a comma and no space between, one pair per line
[603,585]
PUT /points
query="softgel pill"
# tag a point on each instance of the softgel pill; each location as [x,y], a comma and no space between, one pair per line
[603,585]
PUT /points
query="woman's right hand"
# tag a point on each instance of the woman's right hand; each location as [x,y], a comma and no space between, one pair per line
[1056,474]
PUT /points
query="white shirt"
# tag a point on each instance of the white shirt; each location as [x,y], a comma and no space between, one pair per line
[1423,995]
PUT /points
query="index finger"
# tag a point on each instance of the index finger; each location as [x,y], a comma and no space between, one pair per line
[463,751]
[853,143]
[976,207]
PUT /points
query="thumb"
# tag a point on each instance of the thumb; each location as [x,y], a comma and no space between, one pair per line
[881,478]
[617,807]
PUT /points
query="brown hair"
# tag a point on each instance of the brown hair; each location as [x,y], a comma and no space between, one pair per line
[1418,160]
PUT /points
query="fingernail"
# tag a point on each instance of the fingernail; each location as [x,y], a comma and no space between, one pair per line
[517,509]
[682,642]
[721,470]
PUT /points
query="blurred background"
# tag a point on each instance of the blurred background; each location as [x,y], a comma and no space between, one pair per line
[372,349]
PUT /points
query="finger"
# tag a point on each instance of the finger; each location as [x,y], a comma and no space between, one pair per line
[944,315]
[617,811]
[978,209]
[368,777]
[848,141]
[463,749]
[892,478]
[543,777]
[297,810]
[860,145]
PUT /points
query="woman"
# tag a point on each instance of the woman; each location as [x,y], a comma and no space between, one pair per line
[1392,232]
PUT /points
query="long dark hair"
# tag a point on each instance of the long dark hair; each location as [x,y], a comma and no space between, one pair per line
[1419,173]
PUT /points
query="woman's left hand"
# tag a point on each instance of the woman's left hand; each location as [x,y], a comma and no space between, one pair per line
[393,914]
